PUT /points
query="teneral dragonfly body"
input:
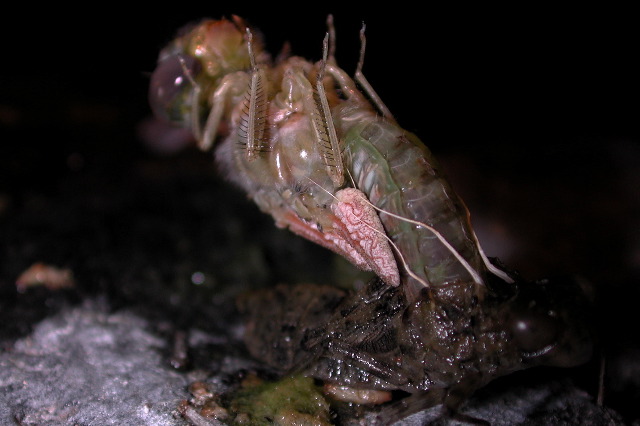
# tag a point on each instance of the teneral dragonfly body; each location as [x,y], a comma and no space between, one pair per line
[311,150]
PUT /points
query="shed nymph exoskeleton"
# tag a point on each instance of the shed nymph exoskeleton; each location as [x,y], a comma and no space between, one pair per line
[320,153]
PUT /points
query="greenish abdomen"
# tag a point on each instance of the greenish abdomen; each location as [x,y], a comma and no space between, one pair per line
[399,175]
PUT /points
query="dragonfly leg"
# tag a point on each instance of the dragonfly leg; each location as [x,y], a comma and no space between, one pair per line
[323,124]
[366,87]
[229,87]
[252,130]
[331,30]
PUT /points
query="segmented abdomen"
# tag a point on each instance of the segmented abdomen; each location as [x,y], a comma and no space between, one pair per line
[399,175]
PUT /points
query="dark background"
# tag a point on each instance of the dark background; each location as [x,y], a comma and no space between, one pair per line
[456,76]
[532,111]
[464,74]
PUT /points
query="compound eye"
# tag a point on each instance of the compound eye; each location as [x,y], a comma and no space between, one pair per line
[534,331]
[171,83]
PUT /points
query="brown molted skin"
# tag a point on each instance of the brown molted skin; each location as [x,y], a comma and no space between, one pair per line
[453,340]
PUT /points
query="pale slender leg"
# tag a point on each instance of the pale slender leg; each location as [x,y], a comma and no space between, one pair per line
[219,99]
[366,87]
[195,104]
[331,57]
[205,136]
[346,84]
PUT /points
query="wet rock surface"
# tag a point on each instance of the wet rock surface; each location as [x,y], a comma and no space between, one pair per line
[85,366]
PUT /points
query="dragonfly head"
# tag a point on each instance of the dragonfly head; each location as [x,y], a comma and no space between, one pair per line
[549,322]
[195,62]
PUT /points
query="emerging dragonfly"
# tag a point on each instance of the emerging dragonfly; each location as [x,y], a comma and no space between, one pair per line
[321,153]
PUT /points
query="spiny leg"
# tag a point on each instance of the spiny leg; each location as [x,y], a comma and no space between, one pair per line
[366,87]
[252,129]
[324,127]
